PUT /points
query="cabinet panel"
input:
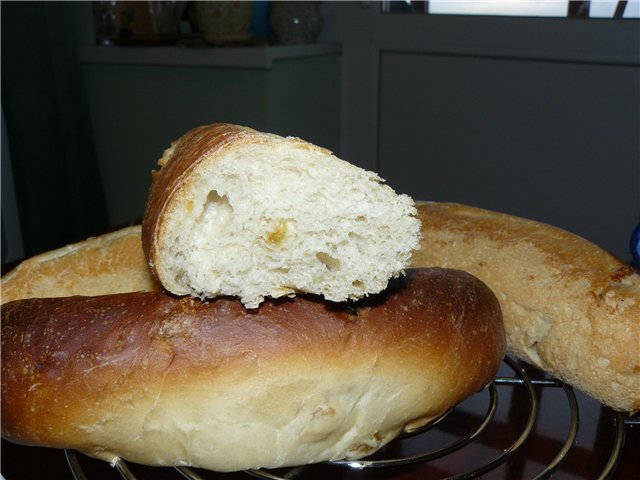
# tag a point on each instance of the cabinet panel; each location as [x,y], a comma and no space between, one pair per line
[137,110]
[557,142]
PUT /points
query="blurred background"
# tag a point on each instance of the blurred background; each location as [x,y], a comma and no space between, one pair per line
[533,112]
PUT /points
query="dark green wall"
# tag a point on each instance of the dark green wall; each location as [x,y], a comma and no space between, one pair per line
[57,183]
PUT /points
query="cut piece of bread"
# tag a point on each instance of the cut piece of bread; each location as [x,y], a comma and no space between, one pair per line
[570,308]
[109,263]
[233,211]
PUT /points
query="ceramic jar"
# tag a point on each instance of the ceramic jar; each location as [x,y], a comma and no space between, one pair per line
[295,23]
[223,21]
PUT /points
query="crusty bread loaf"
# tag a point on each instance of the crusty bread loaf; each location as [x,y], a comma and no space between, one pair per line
[233,211]
[163,380]
[110,263]
[570,308]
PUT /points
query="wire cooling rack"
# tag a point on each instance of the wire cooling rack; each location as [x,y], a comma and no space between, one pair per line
[486,436]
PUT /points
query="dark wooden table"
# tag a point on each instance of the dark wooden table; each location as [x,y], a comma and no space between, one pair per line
[586,458]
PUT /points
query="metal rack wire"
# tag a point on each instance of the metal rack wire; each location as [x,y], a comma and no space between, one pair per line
[520,379]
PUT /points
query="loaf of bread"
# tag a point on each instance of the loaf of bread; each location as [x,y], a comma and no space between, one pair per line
[111,263]
[570,308]
[165,380]
[233,211]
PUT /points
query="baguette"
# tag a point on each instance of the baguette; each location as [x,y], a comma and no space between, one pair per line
[233,211]
[570,308]
[162,380]
[110,263]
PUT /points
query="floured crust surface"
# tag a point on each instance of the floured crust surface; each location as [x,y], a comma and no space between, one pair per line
[162,380]
[570,308]
[110,263]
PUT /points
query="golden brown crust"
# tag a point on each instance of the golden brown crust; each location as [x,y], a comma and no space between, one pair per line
[110,263]
[570,308]
[175,165]
[124,374]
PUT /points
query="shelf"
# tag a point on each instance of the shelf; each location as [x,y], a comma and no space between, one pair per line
[256,57]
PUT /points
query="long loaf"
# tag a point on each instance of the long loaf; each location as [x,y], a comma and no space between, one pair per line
[109,263]
[162,380]
[570,308]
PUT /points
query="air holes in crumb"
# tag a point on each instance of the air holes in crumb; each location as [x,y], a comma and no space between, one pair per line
[357,283]
[217,210]
[329,262]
